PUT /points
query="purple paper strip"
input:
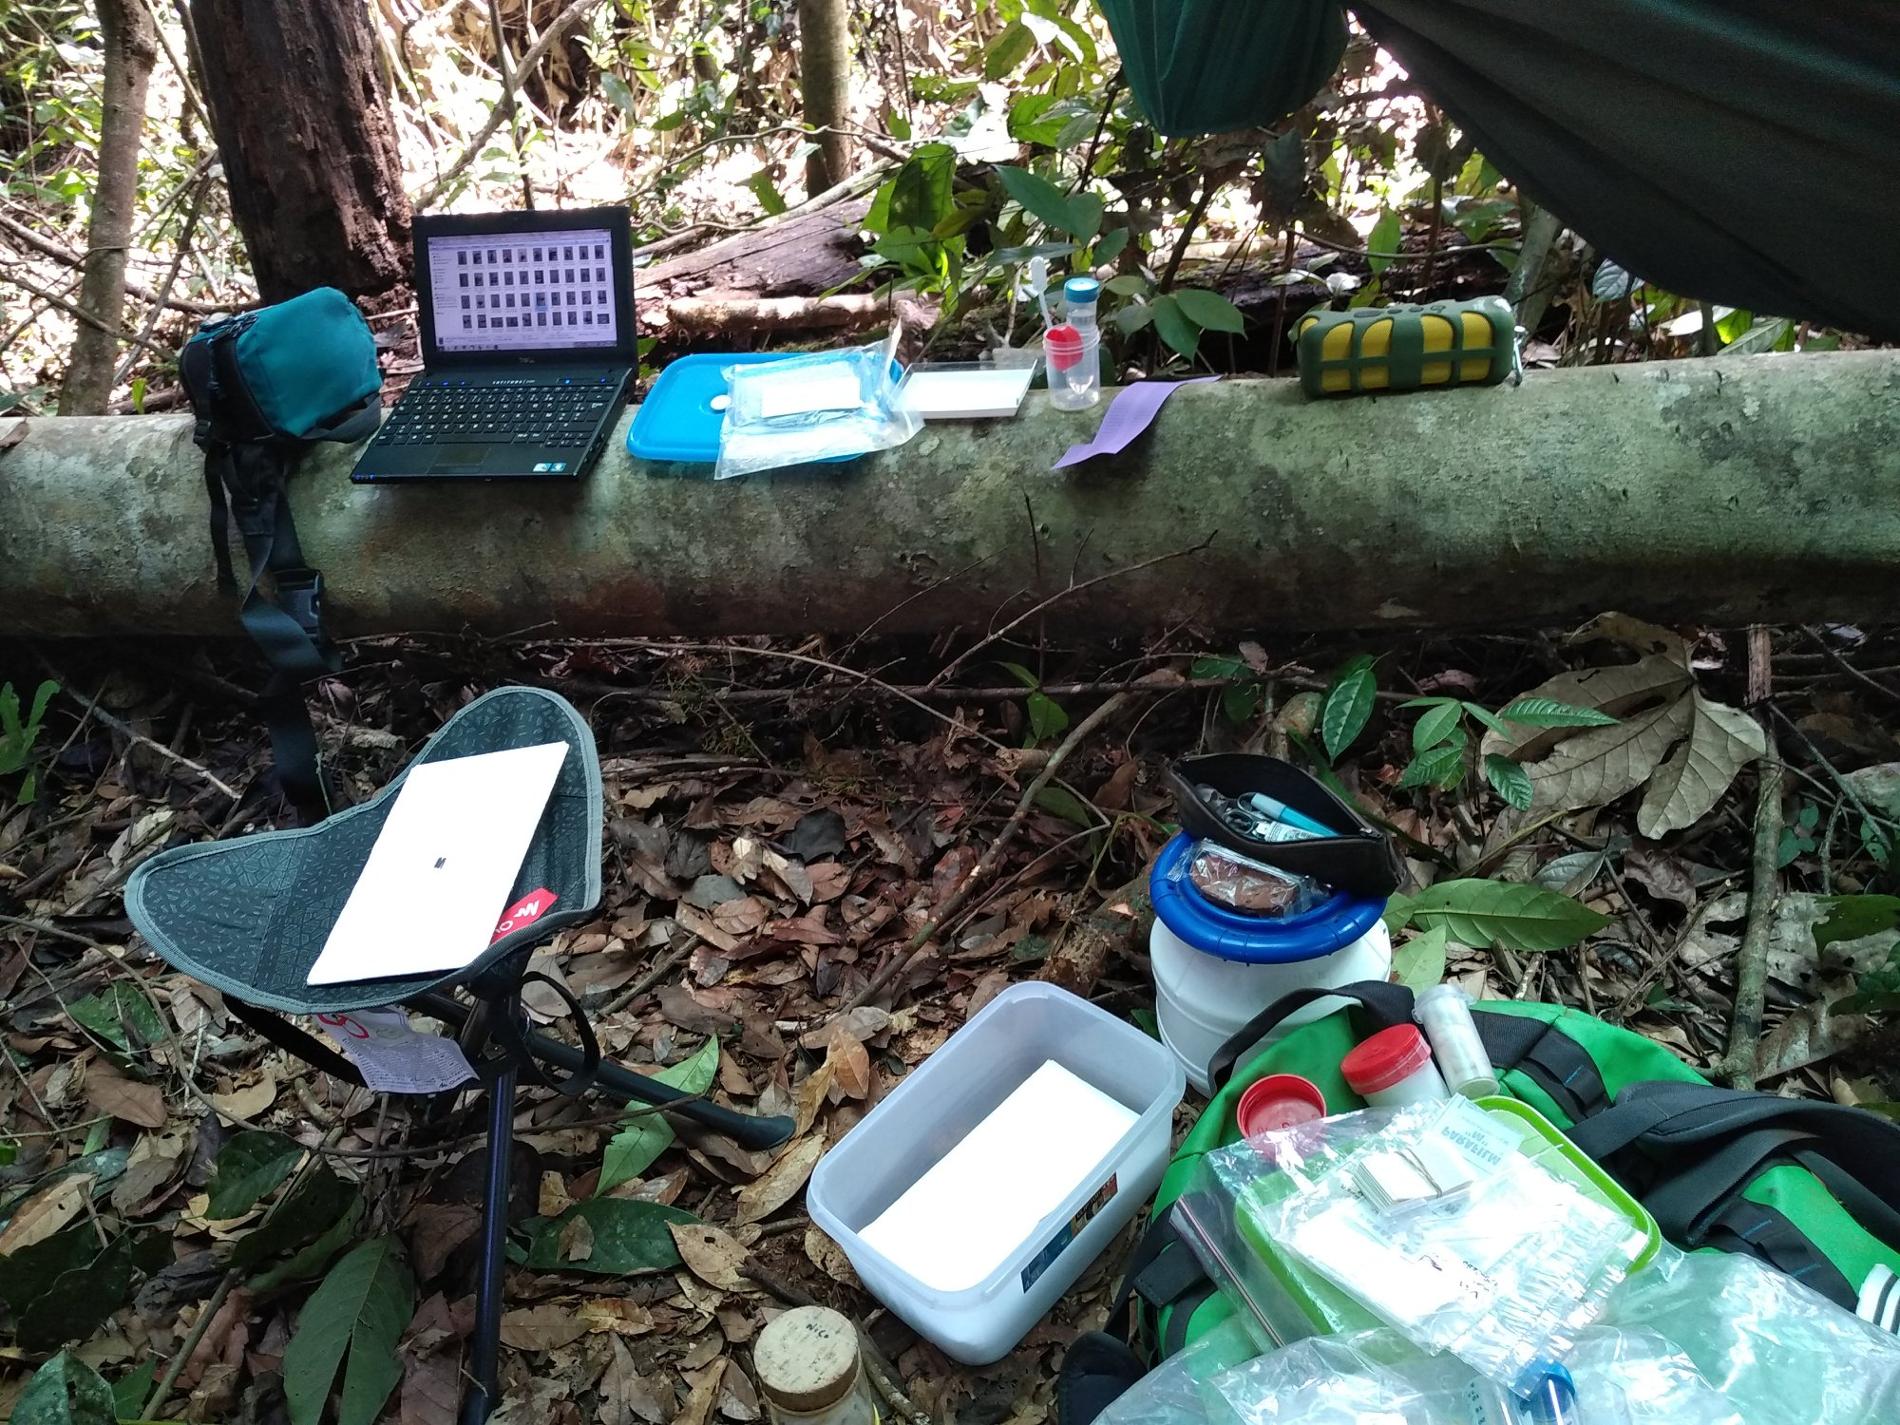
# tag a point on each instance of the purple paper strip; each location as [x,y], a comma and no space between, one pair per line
[1128,415]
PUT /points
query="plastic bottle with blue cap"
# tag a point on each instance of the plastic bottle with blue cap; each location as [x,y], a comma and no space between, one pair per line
[1074,348]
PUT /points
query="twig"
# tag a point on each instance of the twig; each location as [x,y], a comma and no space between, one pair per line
[45,248]
[665,966]
[883,1374]
[558,26]
[506,64]
[1208,186]
[987,863]
[1839,661]
[126,730]
[189,1346]
[79,313]
[187,226]
[1071,588]
[1868,817]
[1738,1066]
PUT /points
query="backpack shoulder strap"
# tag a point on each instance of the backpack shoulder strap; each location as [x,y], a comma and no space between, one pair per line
[1381,1005]
[1558,1064]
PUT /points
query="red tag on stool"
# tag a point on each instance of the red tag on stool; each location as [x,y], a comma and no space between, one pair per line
[525,911]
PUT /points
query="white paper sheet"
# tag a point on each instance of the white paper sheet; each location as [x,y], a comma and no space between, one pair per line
[393,1055]
[439,875]
[987,1196]
[980,394]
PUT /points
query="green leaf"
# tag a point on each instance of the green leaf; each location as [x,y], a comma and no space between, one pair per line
[628,1237]
[1181,335]
[1021,674]
[307,1262]
[1436,767]
[899,127]
[80,1300]
[632,1150]
[247,1168]
[1111,245]
[131,1390]
[770,199]
[1008,50]
[617,93]
[1060,801]
[1046,717]
[1509,780]
[923,193]
[1855,917]
[28,1273]
[319,1199]
[1042,200]
[1504,913]
[65,1391]
[121,1014]
[361,1308]
[1126,284]
[1765,335]
[1383,243]
[1210,311]
[1348,706]
[1490,719]
[1085,218]
[1548,712]
[1217,667]
[1436,725]
[1241,703]
[1419,963]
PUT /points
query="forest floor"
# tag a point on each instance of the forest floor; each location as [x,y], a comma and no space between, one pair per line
[782,821]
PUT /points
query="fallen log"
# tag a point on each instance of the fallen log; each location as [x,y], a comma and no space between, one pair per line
[1734,490]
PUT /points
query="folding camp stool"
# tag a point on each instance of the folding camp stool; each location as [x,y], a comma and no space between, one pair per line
[249,916]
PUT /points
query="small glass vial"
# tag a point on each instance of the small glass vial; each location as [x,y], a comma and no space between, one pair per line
[810,1370]
[1445,1011]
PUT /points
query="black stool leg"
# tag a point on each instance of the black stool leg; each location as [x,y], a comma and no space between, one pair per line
[484,1393]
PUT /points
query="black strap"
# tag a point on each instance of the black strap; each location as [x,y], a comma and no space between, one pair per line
[1381,1005]
[1765,1234]
[1555,1062]
[292,1040]
[508,1035]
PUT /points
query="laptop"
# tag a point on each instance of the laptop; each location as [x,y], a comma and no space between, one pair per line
[527,348]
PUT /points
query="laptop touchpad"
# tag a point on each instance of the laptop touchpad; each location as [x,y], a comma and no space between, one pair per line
[453,459]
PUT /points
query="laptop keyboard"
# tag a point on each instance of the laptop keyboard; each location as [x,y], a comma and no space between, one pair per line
[555,413]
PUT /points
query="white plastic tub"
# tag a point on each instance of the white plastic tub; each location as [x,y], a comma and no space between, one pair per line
[939,1104]
[1215,968]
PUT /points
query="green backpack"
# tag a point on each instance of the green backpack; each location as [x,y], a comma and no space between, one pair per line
[1811,1188]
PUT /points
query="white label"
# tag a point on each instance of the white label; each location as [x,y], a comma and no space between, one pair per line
[393,1056]
[806,394]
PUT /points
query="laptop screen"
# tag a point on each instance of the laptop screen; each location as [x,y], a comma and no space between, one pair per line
[501,291]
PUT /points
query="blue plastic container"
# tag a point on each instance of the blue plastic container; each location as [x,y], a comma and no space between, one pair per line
[679,420]
[1216,968]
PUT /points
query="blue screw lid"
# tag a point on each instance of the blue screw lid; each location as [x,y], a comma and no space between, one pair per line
[1227,934]
[1081,291]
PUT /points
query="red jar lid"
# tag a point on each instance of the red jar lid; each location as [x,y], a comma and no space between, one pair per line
[1386,1058]
[1063,346]
[1278,1101]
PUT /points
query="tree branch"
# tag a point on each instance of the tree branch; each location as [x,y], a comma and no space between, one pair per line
[987,863]
[1738,1066]
[557,27]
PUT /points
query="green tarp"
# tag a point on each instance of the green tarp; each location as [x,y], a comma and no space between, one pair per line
[1743,151]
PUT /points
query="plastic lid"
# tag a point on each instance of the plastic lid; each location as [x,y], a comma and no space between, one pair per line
[1081,291]
[1331,925]
[1387,1058]
[1278,1101]
[807,1359]
[1063,346]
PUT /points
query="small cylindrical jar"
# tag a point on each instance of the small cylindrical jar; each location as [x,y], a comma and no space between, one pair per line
[1075,368]
[1394,1068]
[811,1372]
[1445,1011]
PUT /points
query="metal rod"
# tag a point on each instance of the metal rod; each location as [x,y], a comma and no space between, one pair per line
[749,1131]
[484,1391]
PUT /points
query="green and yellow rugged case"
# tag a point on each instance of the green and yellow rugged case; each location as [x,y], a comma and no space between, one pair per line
[1471,343]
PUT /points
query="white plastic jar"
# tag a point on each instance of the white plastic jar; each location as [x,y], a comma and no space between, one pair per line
[1216,968]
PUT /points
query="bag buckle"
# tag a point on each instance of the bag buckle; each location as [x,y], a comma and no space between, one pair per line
[300,594]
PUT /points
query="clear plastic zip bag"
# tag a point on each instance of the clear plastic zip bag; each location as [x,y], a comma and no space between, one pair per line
[1431,1220]
[830,405]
